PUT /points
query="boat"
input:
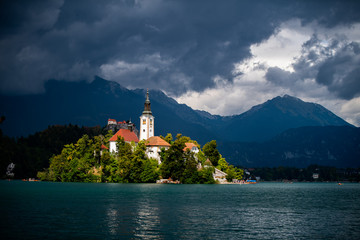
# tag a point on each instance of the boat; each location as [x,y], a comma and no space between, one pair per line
[250,181]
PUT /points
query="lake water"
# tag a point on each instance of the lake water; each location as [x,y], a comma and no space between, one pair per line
[44,210]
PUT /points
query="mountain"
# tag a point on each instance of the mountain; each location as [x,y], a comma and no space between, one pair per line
[256,137]
[90,104]
[264,121]
[337,146]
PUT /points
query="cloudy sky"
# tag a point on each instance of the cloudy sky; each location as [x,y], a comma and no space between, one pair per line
[218,56]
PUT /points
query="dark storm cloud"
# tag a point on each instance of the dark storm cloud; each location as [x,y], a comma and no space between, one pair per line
[341,73]
[173,45]
[281,77]
[333,63]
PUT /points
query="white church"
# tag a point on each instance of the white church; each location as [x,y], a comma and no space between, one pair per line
[154,144]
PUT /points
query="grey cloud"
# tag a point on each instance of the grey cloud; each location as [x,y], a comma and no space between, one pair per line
[196,40]
[341,73]
[314,53]
[281,77]
[334,64]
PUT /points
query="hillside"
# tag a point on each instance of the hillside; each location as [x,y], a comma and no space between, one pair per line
[91,104]
[337,146]
[265,121]
[282,131]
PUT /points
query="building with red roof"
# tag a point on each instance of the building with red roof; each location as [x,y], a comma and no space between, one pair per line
[154,146]
[192,147]
[128,135]
[111,121]
[104,147]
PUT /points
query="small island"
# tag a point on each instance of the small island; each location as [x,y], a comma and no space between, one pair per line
[132,156]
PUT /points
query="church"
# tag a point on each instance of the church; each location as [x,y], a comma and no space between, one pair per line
[154,144]
[146,120]
[127,130]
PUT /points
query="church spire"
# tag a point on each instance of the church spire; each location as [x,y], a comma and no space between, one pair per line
[147,107]
[146,120]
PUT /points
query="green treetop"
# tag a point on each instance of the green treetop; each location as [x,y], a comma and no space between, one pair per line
[211,152]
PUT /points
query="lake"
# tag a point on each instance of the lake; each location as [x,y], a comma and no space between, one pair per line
[44,210]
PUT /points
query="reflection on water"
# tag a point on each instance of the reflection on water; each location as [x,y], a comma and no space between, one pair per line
[150,211]
[112,220]
[148,220]
[132,213]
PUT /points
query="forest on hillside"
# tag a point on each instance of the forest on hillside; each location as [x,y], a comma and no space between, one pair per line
[31,154]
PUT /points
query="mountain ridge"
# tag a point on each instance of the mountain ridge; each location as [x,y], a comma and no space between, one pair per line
[276,115]
[90,104]
[245,139]
[337,146]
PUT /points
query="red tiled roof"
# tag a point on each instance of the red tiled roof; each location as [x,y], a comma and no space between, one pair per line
[157,141]
[123,122]
[128,136]
[112,120]
[104,147]
[189,146]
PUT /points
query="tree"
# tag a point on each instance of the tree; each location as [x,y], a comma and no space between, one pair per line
[206,175]
[124,148]
[150,171]
[190,174]
[211,152]
[168,138]
[173,163]
[223,164]
[137,163]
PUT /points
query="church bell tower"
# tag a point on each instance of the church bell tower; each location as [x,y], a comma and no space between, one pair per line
[146,120]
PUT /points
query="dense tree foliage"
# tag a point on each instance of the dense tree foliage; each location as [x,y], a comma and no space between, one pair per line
[168,138]
[211,152]
[73,154]
[185,166]
[173,162]
[86,161]
[31,154]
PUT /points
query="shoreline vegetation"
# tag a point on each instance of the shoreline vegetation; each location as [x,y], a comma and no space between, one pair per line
[81,159]
[85,161]
[89,161]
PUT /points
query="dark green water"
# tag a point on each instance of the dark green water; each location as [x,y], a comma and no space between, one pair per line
[41,210]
